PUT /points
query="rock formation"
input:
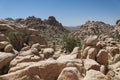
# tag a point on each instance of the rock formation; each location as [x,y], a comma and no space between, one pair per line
[25,55]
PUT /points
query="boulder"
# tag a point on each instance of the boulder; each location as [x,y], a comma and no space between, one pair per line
[48,52]
[42,70]
[3,37]
[67,57]
[76,50]
[85,52]
[5,59]
[95,75]
[113,50]
[57,54]
[91,64]
[25,48]
[8,48]
[25,53]
[78,64]
[3,44]
[91,41]
[103,69]
[102,57]
[69,73]
[37,46]
[35,51]
[25,58]
[100,44]
[5,28]
[92,52]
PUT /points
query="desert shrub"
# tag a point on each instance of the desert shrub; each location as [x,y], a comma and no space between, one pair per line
[14,34]
[71,42]
[15,38]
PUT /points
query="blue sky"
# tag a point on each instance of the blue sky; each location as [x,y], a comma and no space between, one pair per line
[68,12]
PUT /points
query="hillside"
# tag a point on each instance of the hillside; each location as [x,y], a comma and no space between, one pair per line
[93,28]
[90,53]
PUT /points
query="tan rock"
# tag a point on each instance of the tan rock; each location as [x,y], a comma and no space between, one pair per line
[92,52]
[102,57]
[113,50]
[21,59]
[67,57]
[3,37]
[37,46]
[48,52]
[91,41]
[91,64]
[8,48]
[43,70]
[103,69]
[35,51]
[25,48]
[77,63]
[69,73]
[25,53]
[5,27]
[100,44]
[5,58]
[57,54]
[95,75]
[3,44]
[85,52]
[76,50]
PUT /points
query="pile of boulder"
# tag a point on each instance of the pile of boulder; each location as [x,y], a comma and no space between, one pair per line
[20,35]
[38,62]
[25,55]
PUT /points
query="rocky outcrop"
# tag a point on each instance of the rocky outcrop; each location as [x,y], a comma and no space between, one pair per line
[93,28]
[50,29]
[19,35]
[90,49]
[98,58]
[46,70]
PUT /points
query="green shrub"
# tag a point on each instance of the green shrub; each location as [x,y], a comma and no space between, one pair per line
[14,34]
[71,42]
[15,38]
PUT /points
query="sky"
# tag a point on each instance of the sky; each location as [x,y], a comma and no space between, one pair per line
[68,12]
